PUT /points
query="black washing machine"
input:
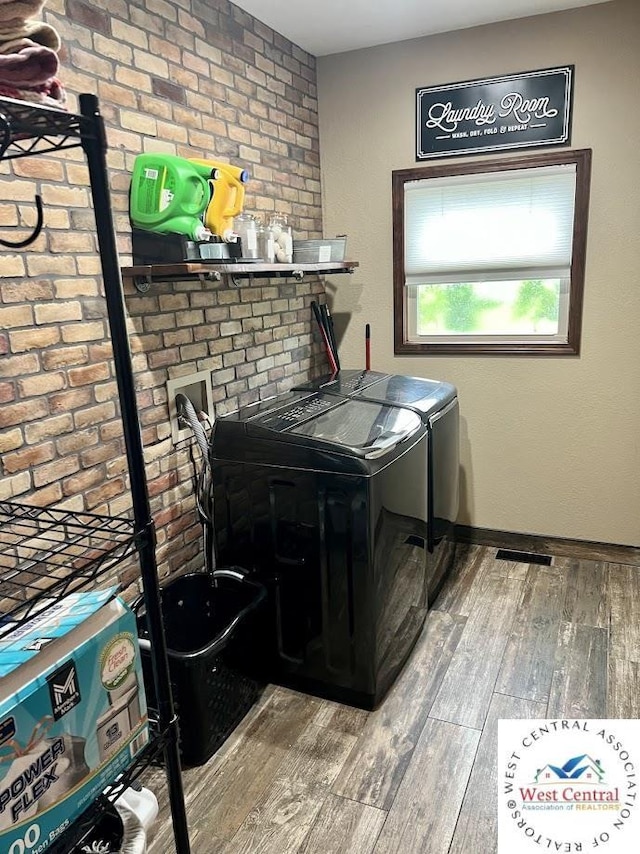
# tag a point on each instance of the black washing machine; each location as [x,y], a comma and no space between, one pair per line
[325,498]
[437,404]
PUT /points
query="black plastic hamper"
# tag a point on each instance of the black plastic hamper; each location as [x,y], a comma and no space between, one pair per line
[209,622]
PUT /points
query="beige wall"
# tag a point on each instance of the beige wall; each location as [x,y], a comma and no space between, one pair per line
[549,445]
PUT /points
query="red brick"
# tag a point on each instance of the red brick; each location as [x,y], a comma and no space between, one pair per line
[27,290]
[64,197]
[110,431]
[190,556]
[97,65]
[179,525]
[66,401]
[170,356]
[88,375]
[64,357]
[41,384]
[55,471]
[96,20]
[18,413]
[10,440]
[78,441]
[120,95]
[16,316]
[106,391]
[27,458]
[105,492]
[165,89]
[7,392]
[116,466]
[48,428]
[48,170]
[103,452]
[45,497]
[82,481]
[100,352]
[150,436]
[34,339]
[74,332]
[94,415]
[71,241]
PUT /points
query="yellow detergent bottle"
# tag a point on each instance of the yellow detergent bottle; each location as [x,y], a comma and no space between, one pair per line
[227,199]
[169,195]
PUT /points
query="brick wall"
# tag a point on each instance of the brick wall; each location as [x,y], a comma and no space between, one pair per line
[188,78]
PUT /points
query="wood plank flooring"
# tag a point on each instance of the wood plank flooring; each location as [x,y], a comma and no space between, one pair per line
[303,775]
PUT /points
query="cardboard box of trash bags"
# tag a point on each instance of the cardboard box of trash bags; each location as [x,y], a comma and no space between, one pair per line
[72,714]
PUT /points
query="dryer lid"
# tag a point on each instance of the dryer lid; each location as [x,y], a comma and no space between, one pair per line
[424,395]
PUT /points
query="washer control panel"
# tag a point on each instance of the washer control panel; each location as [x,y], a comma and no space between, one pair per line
[296,413]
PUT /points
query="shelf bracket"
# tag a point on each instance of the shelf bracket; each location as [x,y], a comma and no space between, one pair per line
[142,283]
[211,276]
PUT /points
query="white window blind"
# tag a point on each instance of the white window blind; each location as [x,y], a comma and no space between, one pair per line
[495,226]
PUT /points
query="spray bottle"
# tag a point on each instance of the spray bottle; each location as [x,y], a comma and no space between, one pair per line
[227,199]
[170,195]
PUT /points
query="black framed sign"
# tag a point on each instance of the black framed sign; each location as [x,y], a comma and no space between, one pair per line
[525,110]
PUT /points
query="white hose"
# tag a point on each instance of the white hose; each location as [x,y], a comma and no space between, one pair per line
[135,836]
[203,482]
[186,411]
[138,811]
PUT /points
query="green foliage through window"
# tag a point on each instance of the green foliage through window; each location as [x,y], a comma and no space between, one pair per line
[530,306]
[538,301]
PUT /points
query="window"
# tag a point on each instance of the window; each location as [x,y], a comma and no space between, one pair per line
[489,257]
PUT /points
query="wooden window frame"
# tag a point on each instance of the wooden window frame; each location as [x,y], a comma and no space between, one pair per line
[582,160]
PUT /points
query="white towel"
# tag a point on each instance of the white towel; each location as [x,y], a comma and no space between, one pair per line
[17,11]
[35,30]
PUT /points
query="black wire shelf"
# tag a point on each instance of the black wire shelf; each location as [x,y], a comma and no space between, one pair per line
[27,129]
[151,754]
[47,553]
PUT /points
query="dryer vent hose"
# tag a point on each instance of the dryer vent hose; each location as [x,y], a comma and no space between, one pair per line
[204,497]
[188,414]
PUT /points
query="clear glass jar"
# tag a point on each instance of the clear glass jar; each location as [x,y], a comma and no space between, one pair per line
[245,227]
[282,237]
[266,243]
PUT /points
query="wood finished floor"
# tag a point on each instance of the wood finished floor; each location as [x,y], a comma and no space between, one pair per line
[303,775]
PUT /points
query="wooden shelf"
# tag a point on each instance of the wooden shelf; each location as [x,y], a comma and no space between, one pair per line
[144,275]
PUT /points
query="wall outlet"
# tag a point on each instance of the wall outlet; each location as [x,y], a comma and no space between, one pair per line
[197,387]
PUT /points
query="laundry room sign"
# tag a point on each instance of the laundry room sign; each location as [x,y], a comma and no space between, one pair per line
[524,110]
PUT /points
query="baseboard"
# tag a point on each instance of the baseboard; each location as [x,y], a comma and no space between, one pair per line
[580,549]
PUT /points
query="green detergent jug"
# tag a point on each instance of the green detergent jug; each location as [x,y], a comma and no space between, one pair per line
[169,195]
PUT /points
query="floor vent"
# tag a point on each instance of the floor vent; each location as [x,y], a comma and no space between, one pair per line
[523,557]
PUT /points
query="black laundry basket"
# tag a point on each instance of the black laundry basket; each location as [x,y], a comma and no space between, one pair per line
[209,622]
